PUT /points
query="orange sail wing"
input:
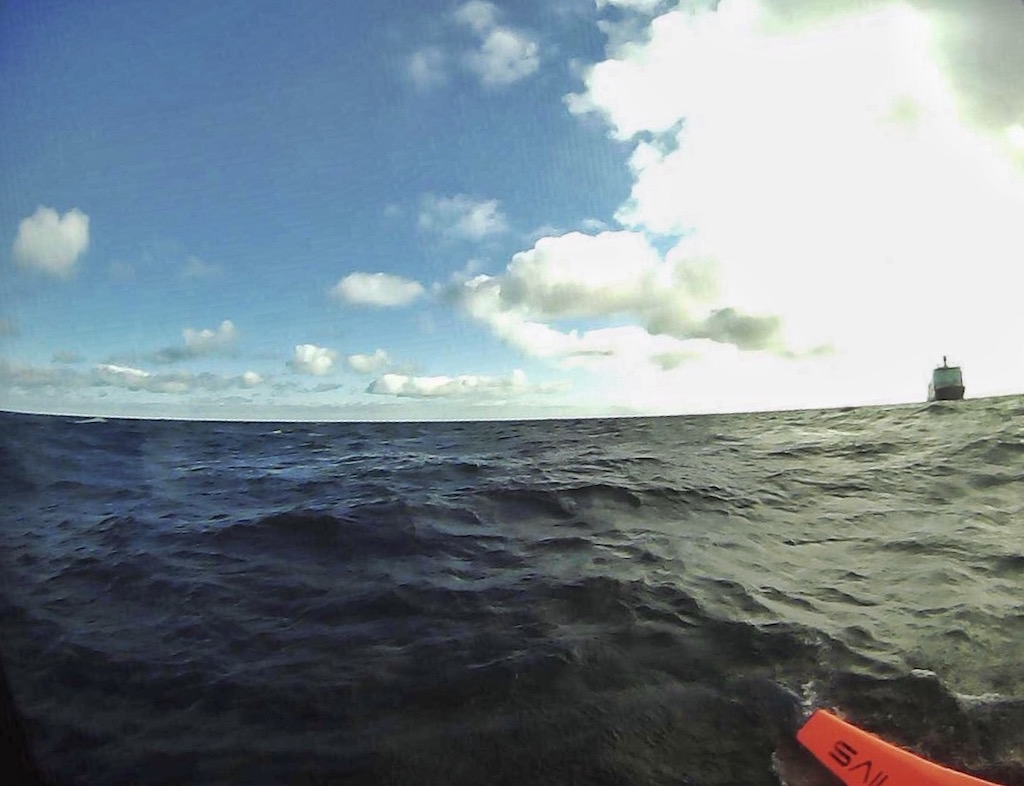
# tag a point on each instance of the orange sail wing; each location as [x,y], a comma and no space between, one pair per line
[859,758]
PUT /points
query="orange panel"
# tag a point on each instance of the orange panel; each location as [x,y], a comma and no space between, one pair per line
[859,758]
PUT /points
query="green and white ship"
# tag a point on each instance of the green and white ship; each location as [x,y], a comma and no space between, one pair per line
[947,383]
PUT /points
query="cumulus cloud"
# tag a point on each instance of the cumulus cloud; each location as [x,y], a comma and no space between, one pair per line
[478,15]
[671,300]
[848,165]
[311,359]
[728,326]
[476,39]
[463,386]
[65,379]
[673,359]
[610,348]
[369,364]
[52,242]
[376,289]
[642,6]
[427,68]
[137,379]
[583,275]
[977,48]
[502,55]
[199,343]
[461,216]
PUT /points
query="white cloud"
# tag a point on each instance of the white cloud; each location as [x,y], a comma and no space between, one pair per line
[496,54]
[51,242]
[503,55]
[1015,136]
[376,289]
[479,16]
[480,297]
[834,166]
[594,225]
[977,46]
[642,6]
[427,68]
[66,379]
[180,382]
[614,349]
[311,359]
[461,216]
[369,364]
[583,275]
[674,299]
[463,386]
[137,379]
[199,343]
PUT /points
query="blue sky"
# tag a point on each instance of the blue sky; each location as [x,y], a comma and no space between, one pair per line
[447,210]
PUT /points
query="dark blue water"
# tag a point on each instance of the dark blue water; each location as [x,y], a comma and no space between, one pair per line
[634,601]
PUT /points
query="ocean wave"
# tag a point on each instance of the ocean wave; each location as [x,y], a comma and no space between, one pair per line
[629,601]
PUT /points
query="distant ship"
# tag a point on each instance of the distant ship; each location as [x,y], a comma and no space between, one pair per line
[947,383]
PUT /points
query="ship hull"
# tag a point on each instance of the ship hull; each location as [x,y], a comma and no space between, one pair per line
[946,393]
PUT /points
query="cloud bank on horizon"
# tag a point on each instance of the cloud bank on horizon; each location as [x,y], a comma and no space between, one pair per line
[820,200]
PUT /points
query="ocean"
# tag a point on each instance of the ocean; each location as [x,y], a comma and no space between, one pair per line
[612,601]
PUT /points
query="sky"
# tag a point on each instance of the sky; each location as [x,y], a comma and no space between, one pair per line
[420,209]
